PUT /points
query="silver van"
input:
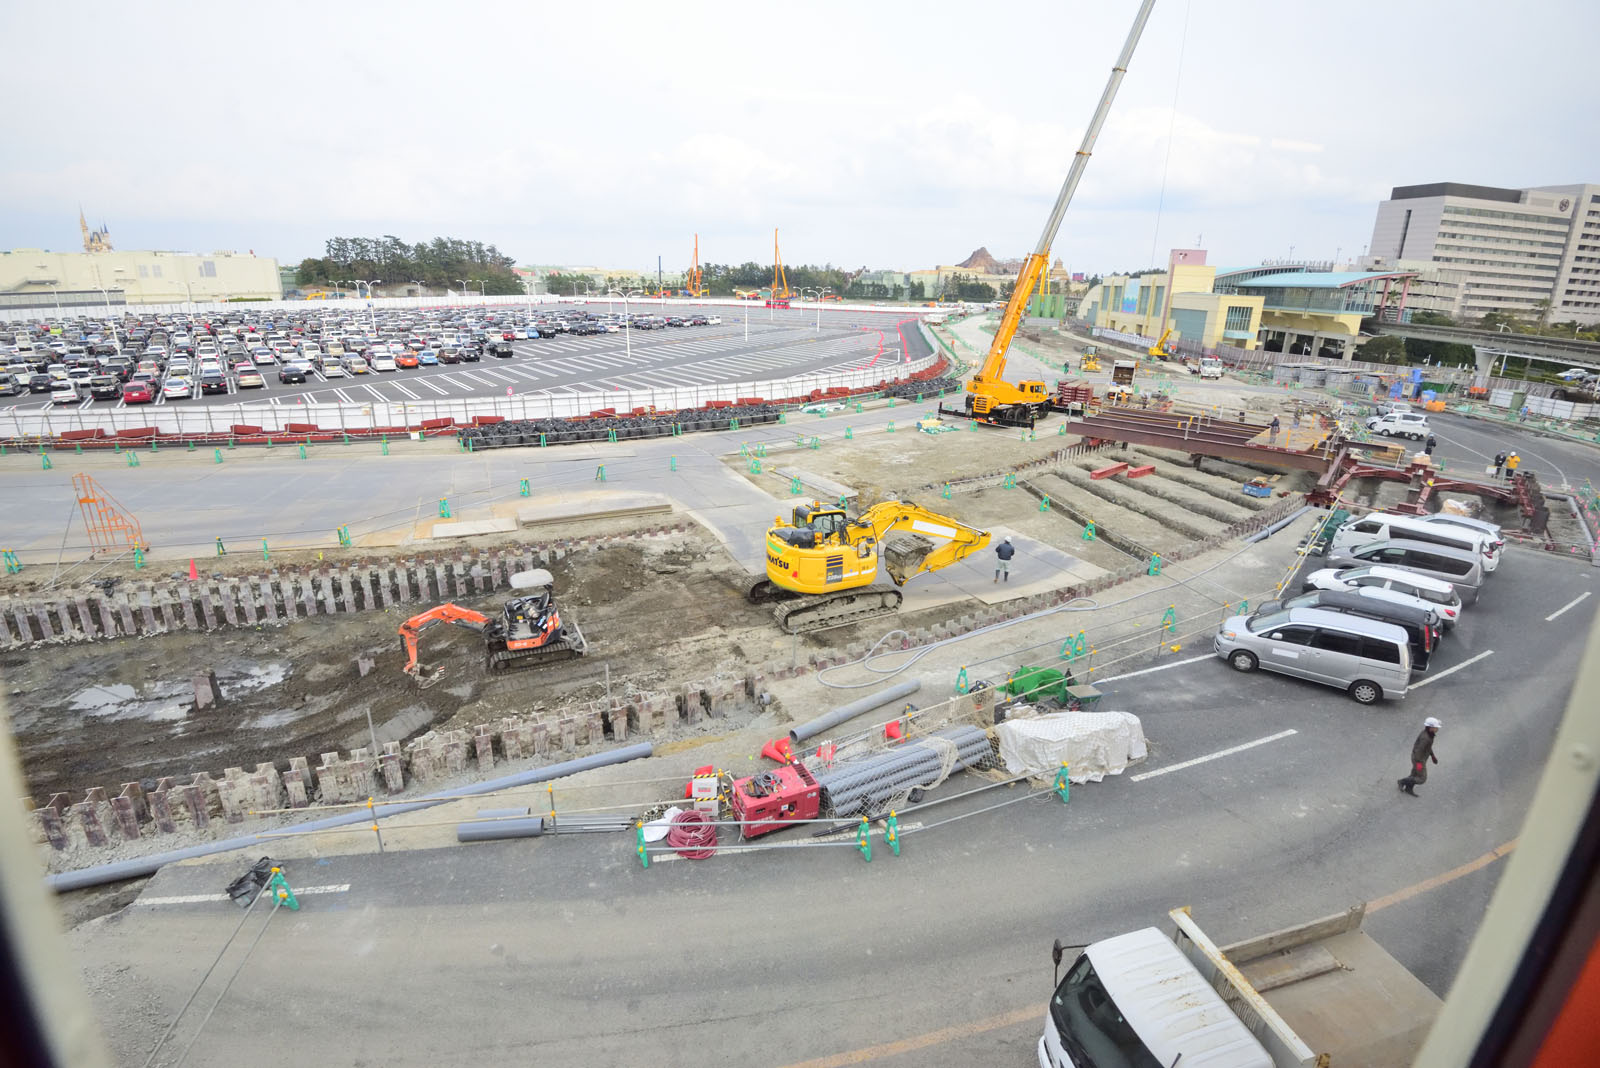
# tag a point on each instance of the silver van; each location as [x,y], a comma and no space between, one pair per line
[1459,567]
[1376,526]
[1366,658]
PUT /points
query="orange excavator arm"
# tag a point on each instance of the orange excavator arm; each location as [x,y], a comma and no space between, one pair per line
[412,628]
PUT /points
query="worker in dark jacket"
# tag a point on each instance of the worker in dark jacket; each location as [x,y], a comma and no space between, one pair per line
[1002,567]
[1421,753]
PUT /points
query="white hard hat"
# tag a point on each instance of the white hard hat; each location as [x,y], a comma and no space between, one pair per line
[1431,722]
[1006,538]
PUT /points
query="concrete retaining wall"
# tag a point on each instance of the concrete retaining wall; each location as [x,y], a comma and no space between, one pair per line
[279,596]
[216,804]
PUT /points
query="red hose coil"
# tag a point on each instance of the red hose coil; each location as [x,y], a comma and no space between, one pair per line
[693,835]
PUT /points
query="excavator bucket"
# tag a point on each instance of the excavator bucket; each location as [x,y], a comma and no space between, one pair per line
[426,676]
[903,555]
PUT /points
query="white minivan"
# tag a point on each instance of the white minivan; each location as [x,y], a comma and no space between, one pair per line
[1366,658]
[1380,525]
[1400,425]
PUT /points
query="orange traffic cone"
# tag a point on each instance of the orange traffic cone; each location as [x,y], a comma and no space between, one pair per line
[778,750]
[194,572]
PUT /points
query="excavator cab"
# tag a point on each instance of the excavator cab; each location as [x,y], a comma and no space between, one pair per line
[813,525]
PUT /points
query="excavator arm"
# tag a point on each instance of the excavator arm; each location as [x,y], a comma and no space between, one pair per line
[955,540]
[412,629]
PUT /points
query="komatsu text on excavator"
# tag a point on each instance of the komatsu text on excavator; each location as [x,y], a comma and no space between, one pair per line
[823,568]
[990,398]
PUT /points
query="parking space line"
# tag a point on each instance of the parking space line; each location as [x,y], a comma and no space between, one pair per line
[1570,604]
[1218,755]
[196,899]
[1452,670]
[1153,670]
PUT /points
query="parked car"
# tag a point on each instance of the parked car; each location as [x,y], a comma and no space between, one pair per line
[1406,587]
[105,387]
[213,383]
[292,371]
[177,388]
[713,320]
[1376,526]
[382,361]
[1400,424]
[428,358]
[502,350]
[1368,659]
[1461,568]
[1422,624]
[406,359]
[9,386]
[251,380]
[138,391]
[65,391]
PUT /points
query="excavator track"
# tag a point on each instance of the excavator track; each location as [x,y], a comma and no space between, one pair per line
[570,645]
[804,615]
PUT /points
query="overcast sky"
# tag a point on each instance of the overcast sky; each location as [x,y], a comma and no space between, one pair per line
[884,135]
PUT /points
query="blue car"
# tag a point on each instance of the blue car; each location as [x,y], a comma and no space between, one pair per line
[428,358]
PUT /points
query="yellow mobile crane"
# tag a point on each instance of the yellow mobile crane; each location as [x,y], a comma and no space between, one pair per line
[823,568]
[990,398]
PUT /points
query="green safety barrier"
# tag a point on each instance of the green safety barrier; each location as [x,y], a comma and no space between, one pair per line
[891,832]
[217,455]
[794,486]
[1169,619]
[754,466]
[945,493]
[265,555]
[302,452]
[849,433]
[600,473]
[1010,481]
[1063,784]
[864,839]
[45,464]
[1155,564]
[962,685]
[13,565]
[281,892]
[444,508]
[672,463]
[138,558]
[133,458]
[638,843]
[344,536]
[1044,503]
[1088,531]
[891,426]
[523,489]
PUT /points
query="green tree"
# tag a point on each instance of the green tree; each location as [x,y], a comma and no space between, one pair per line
[1431,318]
[1385,348]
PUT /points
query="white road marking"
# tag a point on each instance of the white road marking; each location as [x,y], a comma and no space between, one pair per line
[1152,670]
[1218,755]
[735,848]
[1458,667]
[1570,604]
[196,899]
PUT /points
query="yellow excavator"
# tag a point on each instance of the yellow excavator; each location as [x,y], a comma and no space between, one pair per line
[1159,349]
[825,569]
[990,398]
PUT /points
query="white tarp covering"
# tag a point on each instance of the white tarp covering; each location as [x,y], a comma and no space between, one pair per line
[1094,744]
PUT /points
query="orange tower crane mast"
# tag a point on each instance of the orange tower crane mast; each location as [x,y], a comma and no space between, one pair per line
[780,281]
[697,287]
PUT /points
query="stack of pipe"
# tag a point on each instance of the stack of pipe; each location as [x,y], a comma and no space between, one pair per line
[863,786]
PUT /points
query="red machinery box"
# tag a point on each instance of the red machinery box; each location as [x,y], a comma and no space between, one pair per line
[771,800]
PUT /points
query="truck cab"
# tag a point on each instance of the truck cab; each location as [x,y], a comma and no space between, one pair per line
[1210,367]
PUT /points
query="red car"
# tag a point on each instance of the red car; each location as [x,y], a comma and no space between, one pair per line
[137,392]
[508,336]
[405,359]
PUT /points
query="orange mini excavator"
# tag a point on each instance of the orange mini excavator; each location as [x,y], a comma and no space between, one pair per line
[529,632]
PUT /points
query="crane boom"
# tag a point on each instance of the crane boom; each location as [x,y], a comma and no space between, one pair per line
[987,383]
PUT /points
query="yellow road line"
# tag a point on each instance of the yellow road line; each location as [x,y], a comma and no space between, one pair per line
[1035,1012]
[1452,875]
[932,1038]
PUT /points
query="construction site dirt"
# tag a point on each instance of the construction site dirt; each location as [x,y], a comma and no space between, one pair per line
[656,610]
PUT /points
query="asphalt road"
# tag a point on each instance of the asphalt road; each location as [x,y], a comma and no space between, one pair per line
[564,951]
[776,343]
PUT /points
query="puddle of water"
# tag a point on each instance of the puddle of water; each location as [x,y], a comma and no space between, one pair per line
[171,700]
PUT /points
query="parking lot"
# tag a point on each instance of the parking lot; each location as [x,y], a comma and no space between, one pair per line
[748,344]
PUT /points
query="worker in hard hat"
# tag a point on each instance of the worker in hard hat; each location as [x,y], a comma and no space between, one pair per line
[1421,753]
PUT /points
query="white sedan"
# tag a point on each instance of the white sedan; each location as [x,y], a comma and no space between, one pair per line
[824,407]
[178,388]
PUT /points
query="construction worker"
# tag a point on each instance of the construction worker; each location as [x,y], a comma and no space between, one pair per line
[1431,445]
[1512,460]
[1003,553]
[1272,431]
[1421,753]
[1499,463]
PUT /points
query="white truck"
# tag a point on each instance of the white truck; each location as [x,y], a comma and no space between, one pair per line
[935,319]
[1210,367]
[1319,994]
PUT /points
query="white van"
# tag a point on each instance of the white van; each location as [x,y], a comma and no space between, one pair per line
[1380,525]
[1436,593]
[1210,367]
[1400,425]
[1367,659]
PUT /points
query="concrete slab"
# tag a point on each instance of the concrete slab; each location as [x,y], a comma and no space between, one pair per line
[826,488]
[467,528]
[590,504]
[1036,568]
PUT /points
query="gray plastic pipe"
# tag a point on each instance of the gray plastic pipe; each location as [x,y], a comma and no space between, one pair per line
[530,827]
[142,866]
[1262,535]
[852,710]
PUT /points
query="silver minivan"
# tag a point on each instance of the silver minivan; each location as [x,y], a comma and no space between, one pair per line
[1376,526]
[1366,658]
[1459,567]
